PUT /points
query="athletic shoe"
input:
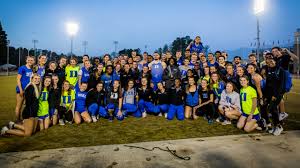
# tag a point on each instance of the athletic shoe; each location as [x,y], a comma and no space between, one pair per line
[3,130]
[278,130]
[11,125]
[94,119]
[271,130]
[69,122]
[166,115]
[210,121]
[226,122]
[61,122]
[220,120]
[144,114]
[259,128]
[262,124]
[283,116]
[159,115]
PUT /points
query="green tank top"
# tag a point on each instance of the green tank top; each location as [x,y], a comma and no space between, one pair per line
[43,103]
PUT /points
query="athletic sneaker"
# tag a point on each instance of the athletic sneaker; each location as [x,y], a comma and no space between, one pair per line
[220,120]
[3,130]
[226,122]
[11,125]
[278,130]
[144,114]
[166,115]
[69,122]
[271,130]
[262,124]
[61,122]
[283,116]
[94,119]
[210,121]
[159,115]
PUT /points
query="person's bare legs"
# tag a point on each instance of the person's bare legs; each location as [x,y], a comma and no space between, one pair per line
[28,126]
[188,112]
[86,117]
[77,117]
[19,103]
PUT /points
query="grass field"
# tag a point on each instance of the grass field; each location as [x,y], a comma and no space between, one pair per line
[128,131]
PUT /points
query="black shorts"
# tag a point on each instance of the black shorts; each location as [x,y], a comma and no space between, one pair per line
[29,113]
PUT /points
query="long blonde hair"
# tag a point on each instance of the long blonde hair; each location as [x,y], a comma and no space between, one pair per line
[37,89]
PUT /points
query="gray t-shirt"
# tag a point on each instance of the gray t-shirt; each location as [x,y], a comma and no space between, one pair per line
[129,96]
[229,99]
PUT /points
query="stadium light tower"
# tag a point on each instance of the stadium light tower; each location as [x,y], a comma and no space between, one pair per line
[72,29]
[259,7]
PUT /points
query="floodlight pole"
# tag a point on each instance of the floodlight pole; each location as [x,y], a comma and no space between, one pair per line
[72,45]
[258,39]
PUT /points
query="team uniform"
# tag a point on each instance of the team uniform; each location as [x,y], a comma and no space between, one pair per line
[247,94]
[43,112]
[85,75]
[96,101]
[207,110]
[196,48]
[113,103]
[41,71]
[54,100]
[80,98]
[107,81]
[26,74]
[192,98]
[67,99]
[162,101]
[176,104]
[145,103]
[217,89]
[156,72]
[130,104]
[72,75]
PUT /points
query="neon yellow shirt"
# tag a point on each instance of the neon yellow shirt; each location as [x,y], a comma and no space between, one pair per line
[247,94]
[43,103]
[67,99]
[72,74]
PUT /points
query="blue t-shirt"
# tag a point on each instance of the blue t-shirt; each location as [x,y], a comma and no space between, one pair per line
[116,76]
[41,72]
[196,48]
[107,80]
[157,72]
[80,99]
[85,74]
[26,74]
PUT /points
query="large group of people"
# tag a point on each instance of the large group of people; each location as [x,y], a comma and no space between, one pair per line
[183,86]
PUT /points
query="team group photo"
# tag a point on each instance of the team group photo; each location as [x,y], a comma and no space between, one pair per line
[133,90]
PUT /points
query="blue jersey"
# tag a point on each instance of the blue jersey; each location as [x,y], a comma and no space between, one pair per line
[107,81]
[157,72]
[26,74]
[215,64]
[85,74]
[116,76]
[80,99]
[41,71]
[196,48]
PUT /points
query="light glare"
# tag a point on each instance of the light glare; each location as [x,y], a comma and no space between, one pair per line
[259,6]
[72,28]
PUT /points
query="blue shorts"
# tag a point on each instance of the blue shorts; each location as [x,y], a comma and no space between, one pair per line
[111,106]
[80,109]
[256,117]
[52,112]
[43,117]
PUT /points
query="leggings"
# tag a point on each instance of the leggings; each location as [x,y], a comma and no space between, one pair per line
[65,114]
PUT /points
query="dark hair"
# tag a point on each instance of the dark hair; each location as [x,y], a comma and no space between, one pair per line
[237,57]
[251,64]
[222,56]
[276,47]
[43,86]
[252,55]
[85,55]
[218,52]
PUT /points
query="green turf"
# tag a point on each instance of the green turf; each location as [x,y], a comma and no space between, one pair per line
[128,131]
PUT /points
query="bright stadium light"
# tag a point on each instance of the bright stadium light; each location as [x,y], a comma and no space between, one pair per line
[72,29]
[259,6]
